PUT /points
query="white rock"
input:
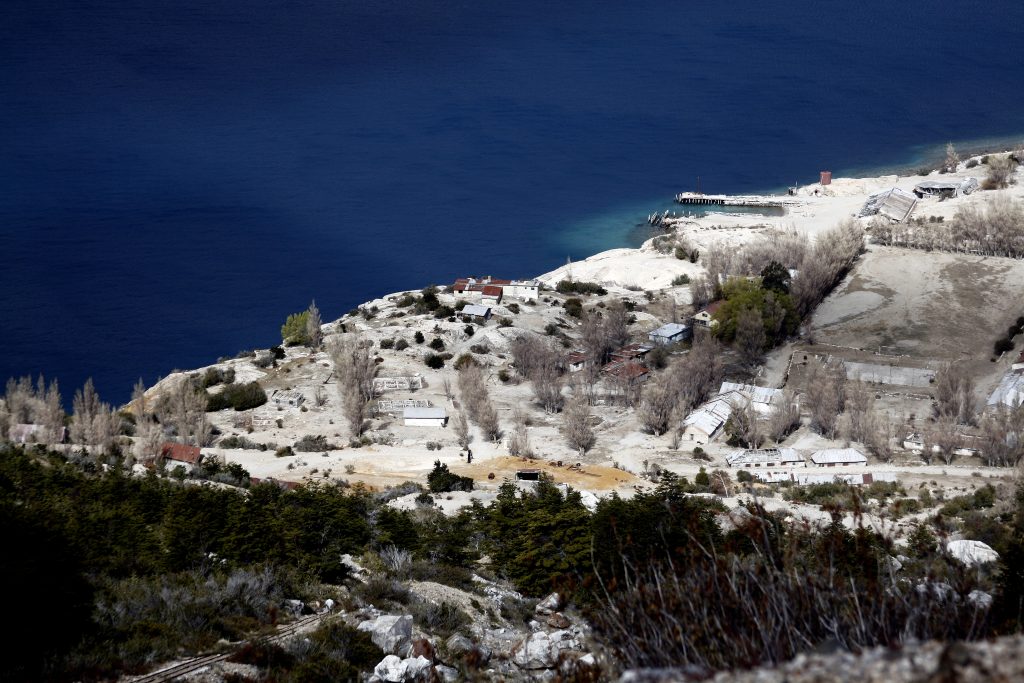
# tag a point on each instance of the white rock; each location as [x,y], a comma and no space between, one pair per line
[971,553]
[542,650]
[980,599]
[549,604]
[447,673]
[393,669]
[390,633]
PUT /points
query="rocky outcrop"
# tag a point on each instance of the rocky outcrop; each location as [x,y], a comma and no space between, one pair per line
[394,669]
[971,553]
[392,634]
[545,650]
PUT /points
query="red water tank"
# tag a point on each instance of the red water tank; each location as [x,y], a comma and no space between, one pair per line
[826,177]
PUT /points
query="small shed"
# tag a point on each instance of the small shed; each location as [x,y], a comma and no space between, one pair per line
[670,333]
[292,397]
[491,294]
[629,373]
[632,352]
[576,361]
[180,455]
[528,475]
[838,457]
[476,312]
[425,417]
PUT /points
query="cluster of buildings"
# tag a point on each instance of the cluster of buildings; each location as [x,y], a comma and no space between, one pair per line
[707,422]
[490,290]
[627,364]
[801,470]
[1010,392]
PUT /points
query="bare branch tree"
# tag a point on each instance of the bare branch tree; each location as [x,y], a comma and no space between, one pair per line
[519,439]
[355,368]
[313,327]
[462,434]
[954,393]
[785,418]
[576,425]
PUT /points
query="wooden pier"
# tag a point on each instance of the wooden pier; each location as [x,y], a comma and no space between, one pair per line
[764,201]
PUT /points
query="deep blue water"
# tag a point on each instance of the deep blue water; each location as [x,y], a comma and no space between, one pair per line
[176,177]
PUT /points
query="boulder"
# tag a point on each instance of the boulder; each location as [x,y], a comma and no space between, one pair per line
[458,645]
[971,553]
[392,634]
[980,599]
[421,647]
[558,620]
[393,669]
[294,608]
[733,519]
[448,674]
[550,604]
[543,650]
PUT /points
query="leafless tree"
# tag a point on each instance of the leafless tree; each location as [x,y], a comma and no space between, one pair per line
[355,369]
[824,396]
[487,420]
[952,159]
[319,396]
[750,336]
[880,439]
[954,393]
[825,264]
[446,384]
[462,434]
[945,438]
[52,413]
[1003,436]
[1000,172]
[657,404]
[702,291]
[718,262]
[184,407]
[519,439]
[87,407]
[477,401]
[576,425]
[859,405]
[745,425]
[313,327]
[785,418]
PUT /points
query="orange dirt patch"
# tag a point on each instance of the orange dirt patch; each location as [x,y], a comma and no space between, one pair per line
[589,477]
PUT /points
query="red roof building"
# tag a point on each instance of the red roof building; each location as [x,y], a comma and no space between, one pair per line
[179,452]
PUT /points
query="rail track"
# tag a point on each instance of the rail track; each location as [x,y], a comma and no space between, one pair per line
[176,671]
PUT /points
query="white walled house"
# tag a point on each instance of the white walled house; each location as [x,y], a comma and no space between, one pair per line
[425,417]
[493,289]
[838,457]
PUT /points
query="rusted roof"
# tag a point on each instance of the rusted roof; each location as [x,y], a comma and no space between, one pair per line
[626,370]
[492,290]
[179,452]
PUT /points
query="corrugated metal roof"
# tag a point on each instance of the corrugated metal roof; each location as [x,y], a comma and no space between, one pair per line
[669,330]
[765,455]
[424,413]
[754,393]
[838,455]
[709,417]
[477,309]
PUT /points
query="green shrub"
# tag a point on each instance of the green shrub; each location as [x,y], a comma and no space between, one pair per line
[284,451]
[387,343]
[744,477]
[418,337]
[441,480]
[514,307]
[574,287]
[464,360]
[406,301]
[437,344]
[573,307]
[433,361]
[237,396]
[444,312]
[293,332]
[312,444]
[401,345]
[444,619]
[678,280]
[505,322]
[1003,346]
